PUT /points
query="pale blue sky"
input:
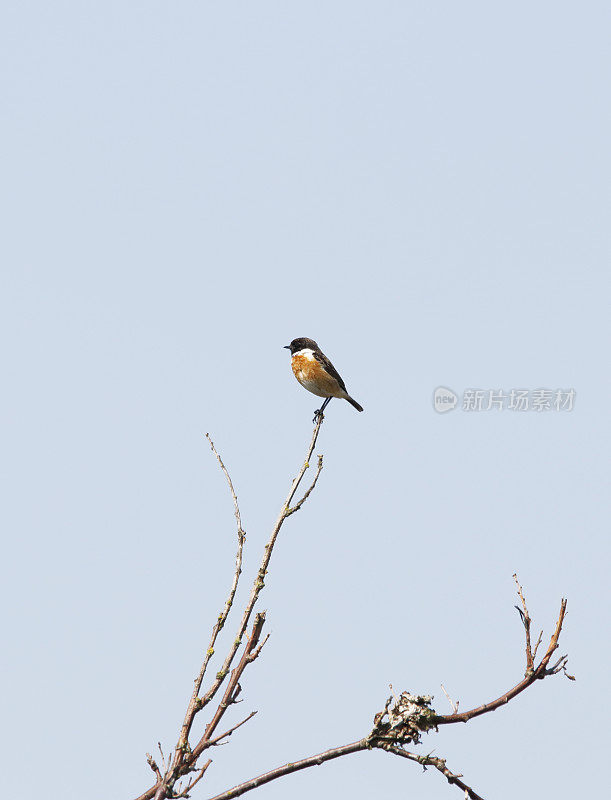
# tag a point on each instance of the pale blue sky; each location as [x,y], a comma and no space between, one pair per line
[424,189]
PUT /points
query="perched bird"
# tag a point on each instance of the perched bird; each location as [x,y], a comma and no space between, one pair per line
[317,374]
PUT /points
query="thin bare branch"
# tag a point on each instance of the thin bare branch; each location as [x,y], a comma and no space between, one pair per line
[439,764]
[525,617]
[217,740]
[161,754]
[293,766]
[537,645]
[298,505]
[194,706]
[153,765]
[259,581]
[255,653]
[196,780]
[453,705]
[538,672]
[229,482]
[228,697]
[184,758]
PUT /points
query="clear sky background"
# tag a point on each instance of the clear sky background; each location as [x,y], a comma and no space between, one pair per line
[187,186]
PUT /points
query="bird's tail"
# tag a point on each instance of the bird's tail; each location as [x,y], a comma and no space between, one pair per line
[354,403]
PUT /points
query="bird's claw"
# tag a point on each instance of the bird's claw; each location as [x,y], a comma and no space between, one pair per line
[318,414]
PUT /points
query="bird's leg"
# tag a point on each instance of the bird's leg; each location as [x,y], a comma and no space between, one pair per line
[319,411]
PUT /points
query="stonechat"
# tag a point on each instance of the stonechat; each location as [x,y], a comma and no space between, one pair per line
[317,374]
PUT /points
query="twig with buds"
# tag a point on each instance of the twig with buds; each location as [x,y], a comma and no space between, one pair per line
[184,760]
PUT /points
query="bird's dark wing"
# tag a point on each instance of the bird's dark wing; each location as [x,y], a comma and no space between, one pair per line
[322,358]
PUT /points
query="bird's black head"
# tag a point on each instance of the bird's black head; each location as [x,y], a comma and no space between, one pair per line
[301,344]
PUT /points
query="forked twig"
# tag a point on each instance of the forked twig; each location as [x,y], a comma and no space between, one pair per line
[217,739]
[259,581]
[536,673]
[185,758]
[194,706]
[298,505]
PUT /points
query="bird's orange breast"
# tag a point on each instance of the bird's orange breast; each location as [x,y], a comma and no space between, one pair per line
[313,377]
[304,368]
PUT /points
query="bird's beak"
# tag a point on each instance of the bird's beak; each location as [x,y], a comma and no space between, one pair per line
[287,347]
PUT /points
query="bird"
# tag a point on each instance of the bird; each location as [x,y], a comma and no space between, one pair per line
[317,374]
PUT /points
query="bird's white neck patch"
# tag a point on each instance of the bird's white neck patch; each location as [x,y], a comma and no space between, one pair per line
[305,353]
